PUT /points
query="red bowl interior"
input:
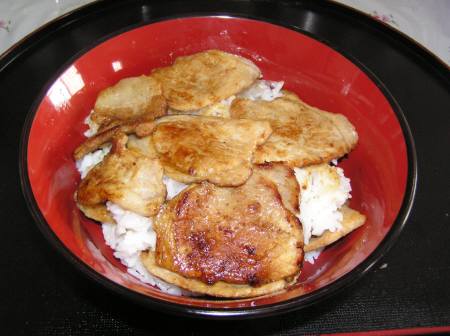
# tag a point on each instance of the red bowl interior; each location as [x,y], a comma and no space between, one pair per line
[321,76]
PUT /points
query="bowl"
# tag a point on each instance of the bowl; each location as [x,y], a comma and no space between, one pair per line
[381,167]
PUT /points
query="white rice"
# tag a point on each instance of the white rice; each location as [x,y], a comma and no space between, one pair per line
[263,90]
[324,190]
[131,235]
[87,162]
[311,256]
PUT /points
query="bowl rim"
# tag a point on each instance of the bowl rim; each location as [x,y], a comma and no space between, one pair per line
[296,303]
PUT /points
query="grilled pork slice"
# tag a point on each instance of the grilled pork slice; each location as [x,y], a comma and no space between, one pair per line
[199,148]
[141,125]
[205,78]
[129,99]
[143,145]
[218,289]
[284,178]
[125,177]
[302,134]
[229,242]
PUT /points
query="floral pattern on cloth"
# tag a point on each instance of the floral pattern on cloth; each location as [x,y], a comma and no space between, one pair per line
[386,18]
[5,24]
[20,18]
[426,22]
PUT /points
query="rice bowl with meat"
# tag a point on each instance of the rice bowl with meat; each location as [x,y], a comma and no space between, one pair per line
[324,190]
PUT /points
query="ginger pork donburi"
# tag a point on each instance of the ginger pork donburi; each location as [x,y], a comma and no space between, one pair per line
[209,180]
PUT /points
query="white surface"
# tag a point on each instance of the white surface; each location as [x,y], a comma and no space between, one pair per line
[20,17]
[425,21]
